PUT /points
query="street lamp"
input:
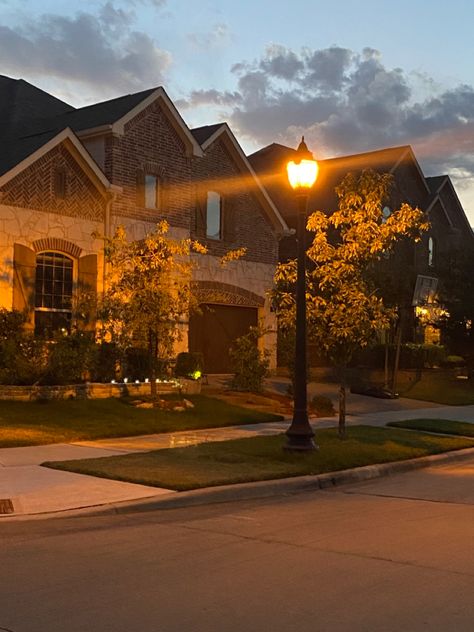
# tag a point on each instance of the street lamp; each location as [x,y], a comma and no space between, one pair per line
[302,174]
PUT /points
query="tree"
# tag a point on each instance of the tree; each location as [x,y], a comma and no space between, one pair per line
[148,293]
[344,309]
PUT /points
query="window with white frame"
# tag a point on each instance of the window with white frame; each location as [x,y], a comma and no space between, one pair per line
[152,191]
[431,252]
[214,215]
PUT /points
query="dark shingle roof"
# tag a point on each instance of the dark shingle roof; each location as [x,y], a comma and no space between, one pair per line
[20,102]
[270,163]
[14,150]
[104,113]
[30,117]
[201,134]
[434,182]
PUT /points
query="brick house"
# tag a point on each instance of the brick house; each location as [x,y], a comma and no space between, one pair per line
[449,231]
[67,174]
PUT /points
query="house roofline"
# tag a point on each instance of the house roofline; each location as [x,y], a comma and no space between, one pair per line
[192,146]
[88,163]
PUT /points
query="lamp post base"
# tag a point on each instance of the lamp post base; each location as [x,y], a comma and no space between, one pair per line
[299,437]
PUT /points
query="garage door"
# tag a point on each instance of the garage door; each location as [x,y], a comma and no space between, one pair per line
[213,332]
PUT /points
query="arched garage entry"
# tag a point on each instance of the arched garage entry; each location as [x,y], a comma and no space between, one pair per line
[227,313]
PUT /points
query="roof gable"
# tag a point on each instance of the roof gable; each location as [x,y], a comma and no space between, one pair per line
[223,132]
[75,147]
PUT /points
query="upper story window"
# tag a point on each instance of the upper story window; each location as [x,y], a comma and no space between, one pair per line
[53,293]
[431,252]
[152,191]
[214,215]
[60,183]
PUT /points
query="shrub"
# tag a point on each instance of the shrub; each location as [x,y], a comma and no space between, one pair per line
[322,406]
[23,360]
[71,359]
[453,361]
[250,365]
[11,324]
[189,364]
[107,360]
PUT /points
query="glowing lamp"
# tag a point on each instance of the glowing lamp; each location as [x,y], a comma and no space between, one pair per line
[303,171]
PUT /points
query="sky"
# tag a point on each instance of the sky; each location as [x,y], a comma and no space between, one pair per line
[351,75]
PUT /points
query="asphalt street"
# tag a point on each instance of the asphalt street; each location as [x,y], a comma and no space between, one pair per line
[387,555]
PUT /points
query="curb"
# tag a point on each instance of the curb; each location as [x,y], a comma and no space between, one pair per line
[280,487]
[255,490]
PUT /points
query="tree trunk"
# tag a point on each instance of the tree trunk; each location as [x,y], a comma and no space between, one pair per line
[152,357]
[342,403]
[398,344]
[386,379]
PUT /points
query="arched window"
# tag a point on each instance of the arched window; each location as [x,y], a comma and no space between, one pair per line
[214,215]
[431,252]
[53,293]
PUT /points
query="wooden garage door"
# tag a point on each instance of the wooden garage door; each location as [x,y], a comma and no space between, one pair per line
[213,332]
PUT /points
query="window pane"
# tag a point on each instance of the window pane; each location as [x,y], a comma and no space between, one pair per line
[53,292]
[150,191]
[213,215]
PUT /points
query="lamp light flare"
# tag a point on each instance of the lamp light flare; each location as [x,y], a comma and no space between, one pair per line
[303,170]
[303,174]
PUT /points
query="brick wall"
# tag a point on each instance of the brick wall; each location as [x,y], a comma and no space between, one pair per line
[150,144]
[217,170]
[34,188]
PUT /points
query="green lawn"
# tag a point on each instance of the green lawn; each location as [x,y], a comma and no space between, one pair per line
[32,423]
[262,458]
[443,426]
[442,388]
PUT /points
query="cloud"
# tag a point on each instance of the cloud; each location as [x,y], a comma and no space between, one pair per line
[219,35]
[102,51]
[198,98]
[348,102]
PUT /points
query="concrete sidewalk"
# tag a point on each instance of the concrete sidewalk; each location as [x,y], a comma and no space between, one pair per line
[33,490]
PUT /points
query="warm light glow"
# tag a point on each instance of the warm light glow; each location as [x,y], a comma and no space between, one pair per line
[303,174]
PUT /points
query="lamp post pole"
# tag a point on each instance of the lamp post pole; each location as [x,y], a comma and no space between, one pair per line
[300,434]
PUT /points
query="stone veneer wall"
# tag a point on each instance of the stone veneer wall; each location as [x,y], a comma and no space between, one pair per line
[25,226]
[95,390]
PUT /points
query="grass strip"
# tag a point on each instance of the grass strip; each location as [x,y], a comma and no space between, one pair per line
[262,458]
[442,426]
[34,423]
[442,387]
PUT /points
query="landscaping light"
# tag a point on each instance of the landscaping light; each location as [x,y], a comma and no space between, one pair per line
[195,375]
[125,380]
[146,380]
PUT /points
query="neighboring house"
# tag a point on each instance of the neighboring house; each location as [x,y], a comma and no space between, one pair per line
[449,228]
[68,175]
